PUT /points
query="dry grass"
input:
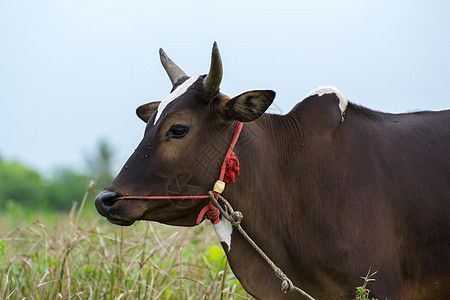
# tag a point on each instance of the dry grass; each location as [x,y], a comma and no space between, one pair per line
[82,257]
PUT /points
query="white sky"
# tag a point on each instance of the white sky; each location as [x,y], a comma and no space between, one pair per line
[73,72]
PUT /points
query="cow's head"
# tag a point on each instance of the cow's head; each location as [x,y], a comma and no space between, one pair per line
[177,155]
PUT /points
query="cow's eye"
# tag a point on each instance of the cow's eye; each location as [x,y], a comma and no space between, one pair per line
[177,131]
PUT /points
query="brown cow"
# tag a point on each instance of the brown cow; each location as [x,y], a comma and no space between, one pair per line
[328,190]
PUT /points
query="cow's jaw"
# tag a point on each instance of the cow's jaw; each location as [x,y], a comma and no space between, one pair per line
[123,211]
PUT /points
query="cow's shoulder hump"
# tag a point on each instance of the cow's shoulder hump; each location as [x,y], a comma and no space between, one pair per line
[331,94]
[323,107]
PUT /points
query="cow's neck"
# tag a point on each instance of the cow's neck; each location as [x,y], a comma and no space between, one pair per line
[267,150]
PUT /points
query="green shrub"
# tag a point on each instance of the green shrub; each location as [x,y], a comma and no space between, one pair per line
[362,292]
[20,184]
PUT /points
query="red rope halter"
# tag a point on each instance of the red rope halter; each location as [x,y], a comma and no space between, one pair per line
[229,166]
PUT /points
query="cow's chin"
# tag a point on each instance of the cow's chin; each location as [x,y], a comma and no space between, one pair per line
[121,222]
[183,213]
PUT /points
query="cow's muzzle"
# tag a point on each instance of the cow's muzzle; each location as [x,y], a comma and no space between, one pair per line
[104,202]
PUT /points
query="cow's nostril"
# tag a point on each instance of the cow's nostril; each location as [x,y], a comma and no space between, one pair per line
[105,200]
[109,203]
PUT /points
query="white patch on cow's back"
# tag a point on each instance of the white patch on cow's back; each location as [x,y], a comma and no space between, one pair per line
[180,90]
[223,230]
[320,91]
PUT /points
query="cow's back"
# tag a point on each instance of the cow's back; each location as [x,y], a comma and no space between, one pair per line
[403,162]
[374,192]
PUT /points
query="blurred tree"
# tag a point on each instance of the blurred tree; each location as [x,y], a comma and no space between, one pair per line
[100,165]
[64,188]
[27,188]
[20,184]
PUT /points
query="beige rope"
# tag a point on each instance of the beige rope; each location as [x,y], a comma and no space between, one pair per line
[235,217]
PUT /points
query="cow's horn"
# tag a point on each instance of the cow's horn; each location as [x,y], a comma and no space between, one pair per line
[171,68]
[214,78]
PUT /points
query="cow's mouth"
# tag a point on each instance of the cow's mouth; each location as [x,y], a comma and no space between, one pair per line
[125,211]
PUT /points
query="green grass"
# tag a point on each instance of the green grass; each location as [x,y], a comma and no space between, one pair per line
[81,256]
[362,292]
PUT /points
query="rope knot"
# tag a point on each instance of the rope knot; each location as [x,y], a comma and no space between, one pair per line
[232,165]
[237,217]
[212,213]
[287,286]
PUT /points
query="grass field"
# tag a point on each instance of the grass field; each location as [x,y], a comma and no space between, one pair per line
[81,256]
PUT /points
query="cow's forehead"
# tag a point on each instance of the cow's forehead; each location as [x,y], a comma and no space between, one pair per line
[178,92]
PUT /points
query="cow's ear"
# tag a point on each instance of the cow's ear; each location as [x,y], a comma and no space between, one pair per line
[146,111]
[249,106]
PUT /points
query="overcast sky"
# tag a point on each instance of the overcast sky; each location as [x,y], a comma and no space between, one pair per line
[73,72]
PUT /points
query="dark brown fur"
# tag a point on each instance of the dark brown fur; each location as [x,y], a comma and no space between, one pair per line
[334,199]
[327,199]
